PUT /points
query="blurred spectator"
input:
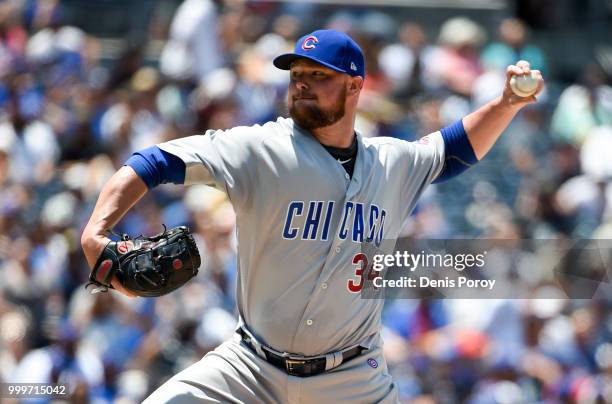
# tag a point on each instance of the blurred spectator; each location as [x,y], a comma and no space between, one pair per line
[408,62]
[512,47]
[193,49]
[457,63]
[583,106]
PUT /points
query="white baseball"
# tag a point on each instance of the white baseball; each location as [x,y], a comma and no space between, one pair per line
[524,85]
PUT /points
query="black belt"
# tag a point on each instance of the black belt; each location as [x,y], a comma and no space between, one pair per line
[299,367]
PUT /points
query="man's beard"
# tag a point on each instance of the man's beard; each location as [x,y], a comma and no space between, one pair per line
[311,117]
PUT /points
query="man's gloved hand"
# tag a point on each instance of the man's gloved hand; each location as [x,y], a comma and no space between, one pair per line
[148,266]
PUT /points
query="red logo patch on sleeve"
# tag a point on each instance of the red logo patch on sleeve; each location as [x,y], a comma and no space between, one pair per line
[424,140]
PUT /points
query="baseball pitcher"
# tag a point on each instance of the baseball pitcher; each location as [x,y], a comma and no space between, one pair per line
[308,191]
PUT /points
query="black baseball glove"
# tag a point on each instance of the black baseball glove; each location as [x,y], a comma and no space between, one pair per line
[148,266]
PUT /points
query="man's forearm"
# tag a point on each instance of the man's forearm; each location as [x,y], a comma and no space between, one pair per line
[118,195]
[485,125]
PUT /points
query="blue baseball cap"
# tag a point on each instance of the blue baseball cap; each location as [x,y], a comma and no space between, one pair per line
[330,48]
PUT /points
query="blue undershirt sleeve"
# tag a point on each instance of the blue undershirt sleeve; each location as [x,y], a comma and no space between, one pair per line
[458,152]
[155,166]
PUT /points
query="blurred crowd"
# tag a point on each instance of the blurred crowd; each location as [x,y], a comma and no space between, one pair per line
[69,118]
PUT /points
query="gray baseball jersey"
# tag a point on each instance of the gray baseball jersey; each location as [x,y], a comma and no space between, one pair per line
[301,220]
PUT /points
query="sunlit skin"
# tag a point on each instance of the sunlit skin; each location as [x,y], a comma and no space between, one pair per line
[314,86]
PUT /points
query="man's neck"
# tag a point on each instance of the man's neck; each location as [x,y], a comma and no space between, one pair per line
[339,135]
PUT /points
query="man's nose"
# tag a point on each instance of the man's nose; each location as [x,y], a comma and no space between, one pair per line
[301,85]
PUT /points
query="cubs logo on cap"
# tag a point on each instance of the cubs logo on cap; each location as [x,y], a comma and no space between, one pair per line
[330,48]
[310,42]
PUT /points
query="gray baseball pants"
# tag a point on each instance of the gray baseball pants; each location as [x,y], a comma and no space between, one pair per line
[232,373]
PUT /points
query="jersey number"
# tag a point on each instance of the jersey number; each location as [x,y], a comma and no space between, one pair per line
[362,270]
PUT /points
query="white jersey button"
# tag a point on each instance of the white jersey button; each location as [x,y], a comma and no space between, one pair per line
[347,176]
[338,249]
[324,285]
[309,322]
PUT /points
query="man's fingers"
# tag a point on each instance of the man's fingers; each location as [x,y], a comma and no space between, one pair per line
[538,76]
[513,70]
[521,67]
[524,66]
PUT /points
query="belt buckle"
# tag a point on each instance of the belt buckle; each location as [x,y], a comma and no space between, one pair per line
[290,365]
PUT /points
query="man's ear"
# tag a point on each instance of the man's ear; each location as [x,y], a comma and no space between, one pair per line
[355,84]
